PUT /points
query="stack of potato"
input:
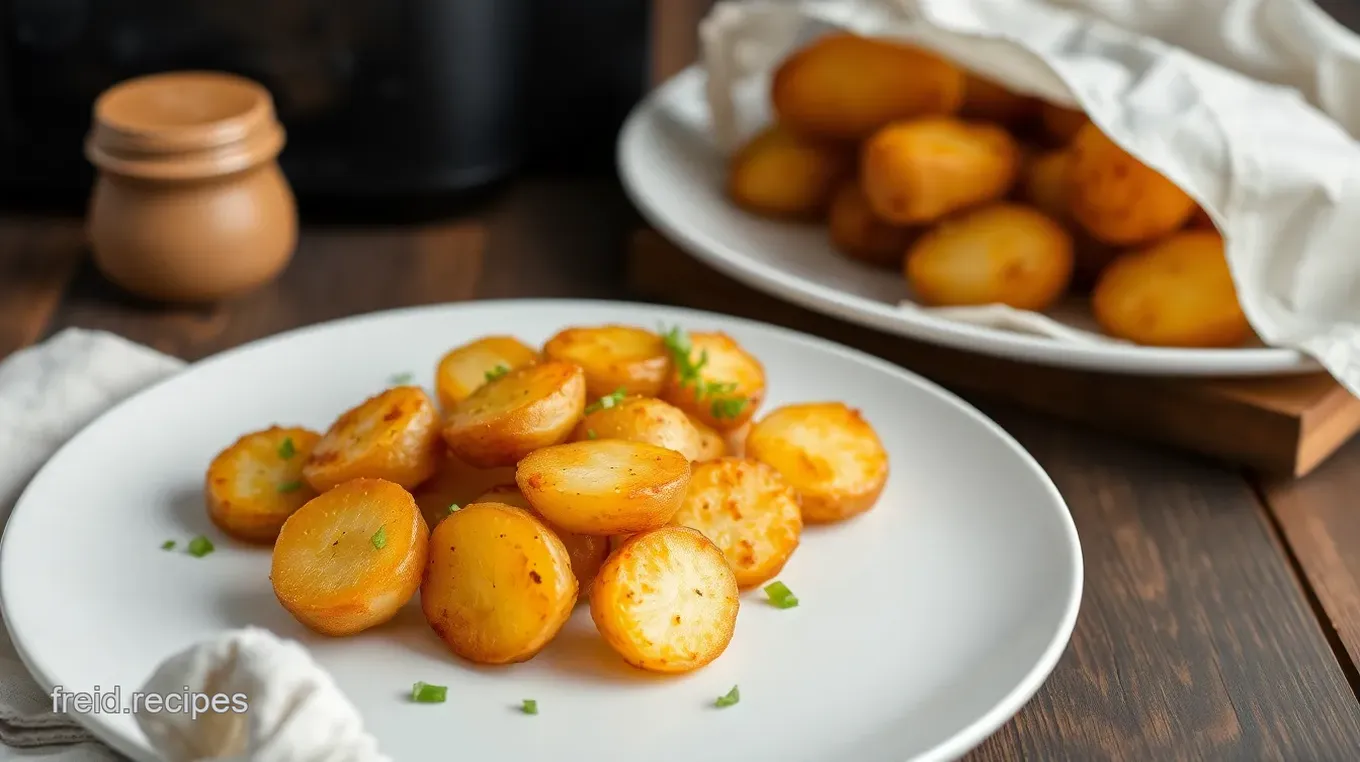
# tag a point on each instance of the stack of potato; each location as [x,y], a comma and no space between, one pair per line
[983,196]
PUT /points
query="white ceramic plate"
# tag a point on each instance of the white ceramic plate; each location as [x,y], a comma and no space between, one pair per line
[675,175]
[923,625]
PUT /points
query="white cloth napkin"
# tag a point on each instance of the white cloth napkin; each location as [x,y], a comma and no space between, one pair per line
[1243,103]
[296,712]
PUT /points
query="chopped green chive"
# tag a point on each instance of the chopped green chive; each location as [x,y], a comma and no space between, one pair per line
[781,596]
[687,371]
[379,538]
[590,433]
[424,693]
[728,407]
[454,508]
[496,372]
[287,450]
[732,697]
[200,546]
[607,401]
[168,545]
[402,378]
[529,706]
[290,486]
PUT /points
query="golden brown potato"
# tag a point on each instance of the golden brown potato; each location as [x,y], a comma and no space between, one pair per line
[843,87]
[747,509]
[666,601]
[1118,199]
[529,408]
[613,357]
[917,172]
[711,443]
[999,254]
[1061,124]
[254,485]
[464,370]
[859,234]
[393,435]
[713,379]
[587,552]
[604,486]
[499,584]
[456,483]
[350,558]
[782,174]
[643,419]
[1044,185]
[828,453]
[1177,293]
[987,101]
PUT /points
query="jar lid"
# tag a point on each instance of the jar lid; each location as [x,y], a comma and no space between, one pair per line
[183,125]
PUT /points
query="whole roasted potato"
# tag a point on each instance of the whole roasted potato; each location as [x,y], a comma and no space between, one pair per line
[1118,199]
[254,485]
[999,254]
[1176,293]
[510,417]
[844,87]
[643,419]
[1044,185]
[393,435]
[919,171]
[466,369]
[604,486]
[613,357]
[987,101]
[782,174]
[1061,124]
[861,235]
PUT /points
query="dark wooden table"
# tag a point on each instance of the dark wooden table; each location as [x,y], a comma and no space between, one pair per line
[1221,616]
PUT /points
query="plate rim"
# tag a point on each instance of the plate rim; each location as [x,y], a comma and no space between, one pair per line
[731,261]
[965,739]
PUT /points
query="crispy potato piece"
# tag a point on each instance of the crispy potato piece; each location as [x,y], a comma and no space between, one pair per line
[613,357]
[828,453]
[917,172]
[1061,124]
[1200,220]
[255,484]
[999,254]
[643,419]
[987,101]
[843,87]
[730,383]
[348,559]
[456,483]
[666,601]
[604,486]
[532,407]
[747,509]
[499,584]
[1044,185]
[859,234]
[393,435]
[782,174]
[1177,293]
[711,443]
[465,369]
[1118,199]
[587,551]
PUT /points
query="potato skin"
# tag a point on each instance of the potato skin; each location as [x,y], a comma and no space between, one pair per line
[784,175]
[587,552]
[464,369]
[859,234]
[1061,124]
[1044,185]
[1176,293]
[711,443]
[393,435]
[988,101]
[666,601]
[917,172]
[613,357]
[843,87]
[329,572]
[999,254]
[728,363]
[456,483]
[828,453]
[498,586]
[1118,199]
[747,510]
[251,488]
[643,419]
[604,486]
[532,407]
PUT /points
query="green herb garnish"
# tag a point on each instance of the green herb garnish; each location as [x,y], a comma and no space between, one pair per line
[590,433]
[200,546]
[290,486]
[496,372]
[732,697]
[529,706]
[781,596]
[286,449]
[379,538]
[424,693]
[168,545]
[687,371]
[728,407]
[400,379]
[607,401]
[454,508]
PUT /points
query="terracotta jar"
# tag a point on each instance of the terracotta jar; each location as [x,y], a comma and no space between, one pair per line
[189,205]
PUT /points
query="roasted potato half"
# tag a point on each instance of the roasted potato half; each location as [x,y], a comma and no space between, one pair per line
[987,101]
[604,486]
[747,509]
[349,558]
[456,483]
[393,435]
[498,586]
[465,369]
[666,600]
[861,235]
[779,173]
[613,357]
[1061,124]
[711,443]
[253,486]
[843,87]
[828,453]
[917,172]
[643,419]
[587,551]
[1176,293]
[999,254]
[1118,199]
[714,379]
[510,417]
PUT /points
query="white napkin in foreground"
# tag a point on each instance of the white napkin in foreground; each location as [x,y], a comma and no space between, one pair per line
[297,714]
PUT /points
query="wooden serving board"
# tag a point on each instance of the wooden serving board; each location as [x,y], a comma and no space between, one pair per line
[1280,426]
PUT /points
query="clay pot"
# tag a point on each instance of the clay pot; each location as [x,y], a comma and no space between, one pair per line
[189,205]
